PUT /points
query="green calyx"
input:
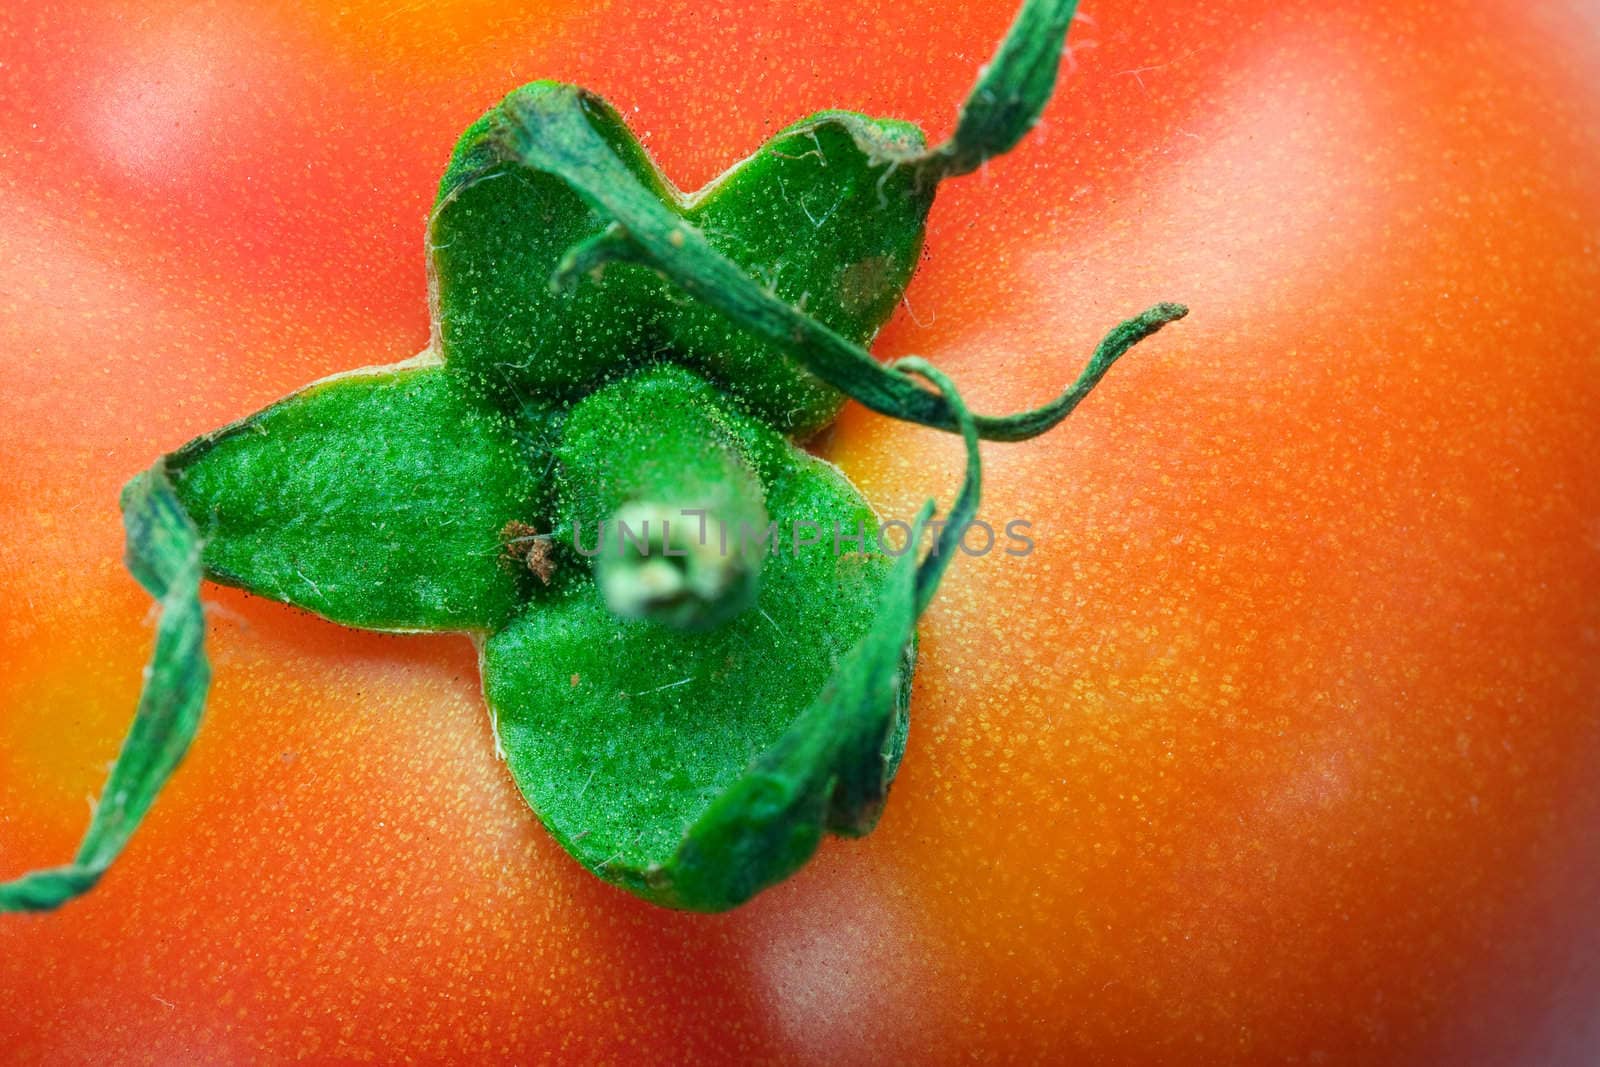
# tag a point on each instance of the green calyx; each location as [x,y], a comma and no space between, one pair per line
[692,704]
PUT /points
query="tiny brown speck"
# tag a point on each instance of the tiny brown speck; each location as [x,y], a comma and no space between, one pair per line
[523,542]
[540,561]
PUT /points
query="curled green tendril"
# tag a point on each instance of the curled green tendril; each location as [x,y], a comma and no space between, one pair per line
[163,553]
[965,509]
[1011,90]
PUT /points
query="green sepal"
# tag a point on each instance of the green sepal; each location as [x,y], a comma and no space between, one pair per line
[495,235]
[620,733]
[824,225]
[832,769]
[697,772]
[376,499]
[819,214]
[829,772]
[163,554]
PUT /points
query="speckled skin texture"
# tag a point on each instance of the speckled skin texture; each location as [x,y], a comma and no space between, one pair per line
[1278,748]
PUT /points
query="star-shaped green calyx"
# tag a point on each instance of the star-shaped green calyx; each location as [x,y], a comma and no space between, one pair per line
[688,710]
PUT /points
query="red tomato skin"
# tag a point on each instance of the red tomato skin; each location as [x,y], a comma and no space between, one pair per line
[1278,748]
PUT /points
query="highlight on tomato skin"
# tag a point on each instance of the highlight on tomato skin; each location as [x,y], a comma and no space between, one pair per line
[1275,749]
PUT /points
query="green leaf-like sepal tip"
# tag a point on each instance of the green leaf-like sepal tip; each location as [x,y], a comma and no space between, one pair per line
[377,499]
[163,553]
[688,725]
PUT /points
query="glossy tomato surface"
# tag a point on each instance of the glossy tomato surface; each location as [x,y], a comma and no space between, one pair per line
[1280,747]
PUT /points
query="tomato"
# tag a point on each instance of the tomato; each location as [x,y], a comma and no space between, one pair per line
[1278,747]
